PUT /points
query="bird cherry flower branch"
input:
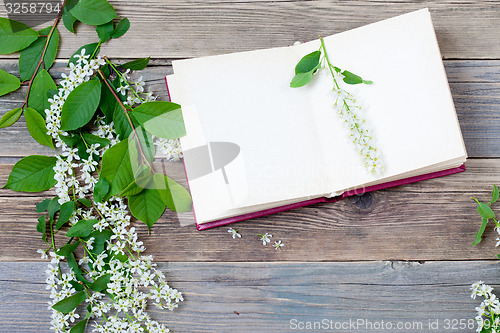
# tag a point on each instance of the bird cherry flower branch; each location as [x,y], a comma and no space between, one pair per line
[96,185]
[126,112]
[347,107]
[41,62]
[488,312]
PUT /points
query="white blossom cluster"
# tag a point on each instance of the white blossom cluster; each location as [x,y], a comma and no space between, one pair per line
[134,281]
[488,313]
[170,148]
[352,115]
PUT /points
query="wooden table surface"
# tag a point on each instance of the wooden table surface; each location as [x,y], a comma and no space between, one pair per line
[406,258]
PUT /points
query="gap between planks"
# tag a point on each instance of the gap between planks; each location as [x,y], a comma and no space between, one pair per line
[249,297]
[181,29]
[428,220]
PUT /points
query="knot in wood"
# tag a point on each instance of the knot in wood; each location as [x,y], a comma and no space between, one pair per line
[362,201]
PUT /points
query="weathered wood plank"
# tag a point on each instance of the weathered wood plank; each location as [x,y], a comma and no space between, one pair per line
[429,220]
[475,86]
[269,296]
[173,28]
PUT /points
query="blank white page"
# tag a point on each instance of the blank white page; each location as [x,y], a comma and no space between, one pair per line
[293,145]
[245,98]
[409,106]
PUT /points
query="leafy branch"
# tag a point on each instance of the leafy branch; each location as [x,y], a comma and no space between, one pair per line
[348,109]
[484,209]
[42,57]
[107,139]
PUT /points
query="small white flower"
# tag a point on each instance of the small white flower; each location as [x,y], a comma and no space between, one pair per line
[139,85]
[42,253]
[234,233]
[278,245]
[81,57]
[122,90]
[266,238]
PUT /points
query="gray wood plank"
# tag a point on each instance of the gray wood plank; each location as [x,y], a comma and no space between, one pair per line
[268,297]
[429,220]
[475,86]
[178,29]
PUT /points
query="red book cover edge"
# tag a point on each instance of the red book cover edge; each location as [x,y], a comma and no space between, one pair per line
[283,208]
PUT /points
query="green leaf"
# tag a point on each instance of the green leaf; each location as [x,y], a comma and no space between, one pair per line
[100,239]
[94,139]
[105,70]
[485,211]
[174,195]
[10,117]
[8,83]
[67,249]
[70,140]
[89,312]
[479,234]
[93,12]
[76,269]
[82,150]
[301,79]
[29,57]
[351,78]
[131,189]
[38,98]
[79,327]
[15,36]
[68,19]
[121,123]
[117,168]
[147,206]
[54,207]
[101,189]
[82,228]
[104,31]
[101,283]
[89,50]
[136,65]
[121,28]
[86,202]
[37,127]
[120,256]
[108,103]
[42,227]
[42,206]
[308,63]
[65,213]
[162,119]
[147,143]
[494,195]
[32,174]
[81,105]
[70,303]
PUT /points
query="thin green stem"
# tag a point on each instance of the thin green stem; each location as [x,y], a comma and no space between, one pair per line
[123,78]
[330,67]
[126,110]
[126,247]
[86,249]
[98,211]
[40,62]
[95,50]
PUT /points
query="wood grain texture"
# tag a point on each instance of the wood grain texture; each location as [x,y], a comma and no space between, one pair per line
[429,220]
[474,84]
[267,296]
[179,29]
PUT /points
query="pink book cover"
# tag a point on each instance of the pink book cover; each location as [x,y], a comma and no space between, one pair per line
[225,221]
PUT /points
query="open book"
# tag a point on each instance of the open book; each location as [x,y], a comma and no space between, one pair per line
[255,146]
